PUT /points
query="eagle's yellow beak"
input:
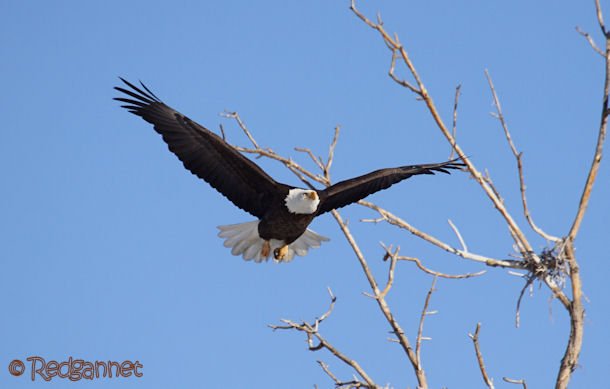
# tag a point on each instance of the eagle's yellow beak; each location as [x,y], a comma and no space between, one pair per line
[312,195]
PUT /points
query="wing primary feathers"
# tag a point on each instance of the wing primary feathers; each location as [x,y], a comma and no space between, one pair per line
[149,91]
[151,96]
[130,101]
[204,153]
[139,99]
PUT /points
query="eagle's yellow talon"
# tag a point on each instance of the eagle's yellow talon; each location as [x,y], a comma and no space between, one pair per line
[280,253]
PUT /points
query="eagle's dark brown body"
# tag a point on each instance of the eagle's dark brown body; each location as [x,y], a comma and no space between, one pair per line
[279,222]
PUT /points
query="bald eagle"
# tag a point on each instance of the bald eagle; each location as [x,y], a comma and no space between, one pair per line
[284,212]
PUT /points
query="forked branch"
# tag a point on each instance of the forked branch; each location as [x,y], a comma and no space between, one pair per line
[312,332]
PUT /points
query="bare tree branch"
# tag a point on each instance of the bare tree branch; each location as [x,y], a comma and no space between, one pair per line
[242,125]
[518,156]
[289,163]
[597,158]
[518,382]
[569,362]
[383,305]
[422,318]
[399,81]
[477,348]
[331,154]
[312,332]
[589,39]
[395,220]
[439,274]
[392,256]
[326,369]
[528,283]
[454,127]
[459,236]
[316,160]
[600,18]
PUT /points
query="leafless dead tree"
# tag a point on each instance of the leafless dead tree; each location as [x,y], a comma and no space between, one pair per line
[556,266]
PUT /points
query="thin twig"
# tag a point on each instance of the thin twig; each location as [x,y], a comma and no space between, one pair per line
[487,178]
[401,82]
[286,161]
[439,274]
[459,236]
[326,369]
[331,154]
[518,382]
[518,156]
[333,300]
[500,115]
[242,125]
[422,318]
[455,111]
[477,348]
[589,39]
[528,283]
[315,159]
[392,256]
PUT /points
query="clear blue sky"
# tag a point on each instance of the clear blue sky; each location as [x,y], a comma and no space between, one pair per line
[109,248]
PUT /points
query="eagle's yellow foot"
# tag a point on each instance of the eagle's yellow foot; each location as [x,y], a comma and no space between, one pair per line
[280,253]
[266,249]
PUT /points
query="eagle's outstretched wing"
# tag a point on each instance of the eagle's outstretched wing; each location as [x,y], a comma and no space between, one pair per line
[355,189]
[204,153]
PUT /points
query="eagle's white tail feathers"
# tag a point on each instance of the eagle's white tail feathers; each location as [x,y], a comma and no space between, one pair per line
[243,240]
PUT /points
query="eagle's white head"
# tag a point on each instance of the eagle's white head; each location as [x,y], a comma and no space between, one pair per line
[303,201]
